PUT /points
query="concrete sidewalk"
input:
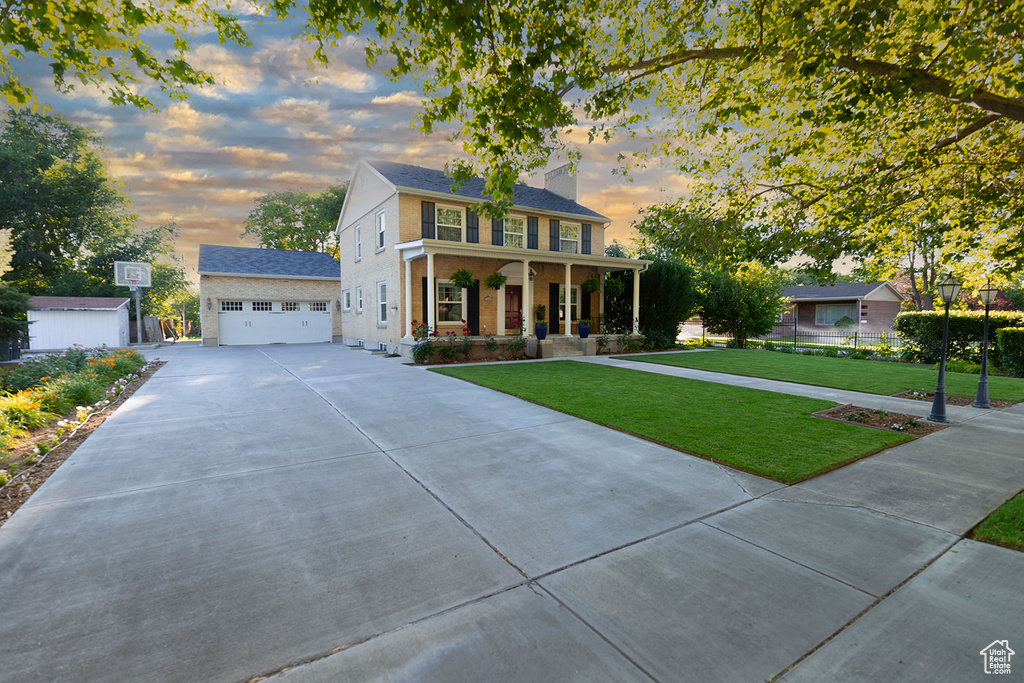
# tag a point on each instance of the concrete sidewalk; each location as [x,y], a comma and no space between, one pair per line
[314,513]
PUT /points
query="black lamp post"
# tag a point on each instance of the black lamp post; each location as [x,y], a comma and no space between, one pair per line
[949,290]
[988,297]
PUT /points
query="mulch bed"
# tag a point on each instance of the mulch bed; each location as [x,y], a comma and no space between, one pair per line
[880,419]
[28,479]
[952,399]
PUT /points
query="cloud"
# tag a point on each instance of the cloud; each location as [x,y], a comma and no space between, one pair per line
[403,98]
[230,195]
[233,75]
[252,157]
[181,116]
[295,178]
[295,111]
[177,143]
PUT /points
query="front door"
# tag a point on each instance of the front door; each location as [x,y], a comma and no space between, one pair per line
[513,306]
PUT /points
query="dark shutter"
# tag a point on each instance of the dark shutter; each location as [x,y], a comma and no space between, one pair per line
[472,227]
[497,232]
[531,232]
[553,308]
[585,304]
[426,318]
[554,235]
[473,309]
[585,246]
[428,232]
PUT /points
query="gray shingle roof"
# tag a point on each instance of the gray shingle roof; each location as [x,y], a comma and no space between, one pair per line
[418,178]
[77,303]
[281,262]
[840,290]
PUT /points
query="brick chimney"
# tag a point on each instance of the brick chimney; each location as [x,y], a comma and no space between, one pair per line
[561,181]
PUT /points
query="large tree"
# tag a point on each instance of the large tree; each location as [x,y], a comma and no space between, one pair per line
[744,303]
[814,126]
[304,221]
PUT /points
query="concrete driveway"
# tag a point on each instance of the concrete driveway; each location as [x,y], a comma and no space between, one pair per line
[312,513]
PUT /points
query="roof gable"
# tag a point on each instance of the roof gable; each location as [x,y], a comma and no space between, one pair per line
[406,176]
[220,260]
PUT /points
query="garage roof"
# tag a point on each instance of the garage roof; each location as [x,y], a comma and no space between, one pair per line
[311,265]
[77,303]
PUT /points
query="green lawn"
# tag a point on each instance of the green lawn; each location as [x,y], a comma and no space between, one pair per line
[1005,526]
[761,432]
[872,377]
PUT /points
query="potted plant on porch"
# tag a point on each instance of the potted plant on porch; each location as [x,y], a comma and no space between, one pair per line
[583,326]
[541,327]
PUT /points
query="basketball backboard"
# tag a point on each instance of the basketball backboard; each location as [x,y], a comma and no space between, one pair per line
[128,273]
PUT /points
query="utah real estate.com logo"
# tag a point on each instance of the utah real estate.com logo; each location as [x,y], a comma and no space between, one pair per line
[997,657]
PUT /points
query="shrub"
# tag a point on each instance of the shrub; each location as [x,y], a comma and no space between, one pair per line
[921,332]
[76,389]
[1010,341]
[422,350]
[602,343]
[786,349]
[516,346]
[490,344]
[830,353]
[768,346]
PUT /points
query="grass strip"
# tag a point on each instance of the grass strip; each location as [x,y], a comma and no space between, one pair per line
[1005,526]
[761,432]
[872,377]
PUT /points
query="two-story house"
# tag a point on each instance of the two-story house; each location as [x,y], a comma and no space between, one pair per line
[403,233]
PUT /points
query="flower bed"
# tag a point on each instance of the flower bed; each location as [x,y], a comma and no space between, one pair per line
[60,391]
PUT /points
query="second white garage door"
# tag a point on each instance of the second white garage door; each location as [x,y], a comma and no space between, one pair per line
[273,322]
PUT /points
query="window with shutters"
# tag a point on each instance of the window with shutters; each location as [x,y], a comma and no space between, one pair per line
[449,302]
[569,238]
[574,304]
[515,229]
[450,221]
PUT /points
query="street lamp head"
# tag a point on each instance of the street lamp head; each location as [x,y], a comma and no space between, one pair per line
[988,294]
[949,289]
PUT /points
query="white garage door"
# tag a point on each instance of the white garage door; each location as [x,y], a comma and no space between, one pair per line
[274,322]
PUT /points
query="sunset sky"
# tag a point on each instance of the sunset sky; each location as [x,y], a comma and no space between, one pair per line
[271,124]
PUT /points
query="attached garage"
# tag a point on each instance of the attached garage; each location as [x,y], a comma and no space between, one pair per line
[268,296]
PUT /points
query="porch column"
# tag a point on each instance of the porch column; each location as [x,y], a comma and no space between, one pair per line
[636,301]
[407,304]
[499,305]
[431,322]
[568,299]
[527,300]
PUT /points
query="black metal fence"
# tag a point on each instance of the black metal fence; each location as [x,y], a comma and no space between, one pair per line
[789,333]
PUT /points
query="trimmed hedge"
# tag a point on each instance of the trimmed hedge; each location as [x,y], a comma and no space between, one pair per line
[921,332]
[1010,342]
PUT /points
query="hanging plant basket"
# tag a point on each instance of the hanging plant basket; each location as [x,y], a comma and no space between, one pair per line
[590,285]
[462,278]
[496,280]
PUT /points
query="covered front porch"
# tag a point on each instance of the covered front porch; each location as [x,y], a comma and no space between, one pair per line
[531,278]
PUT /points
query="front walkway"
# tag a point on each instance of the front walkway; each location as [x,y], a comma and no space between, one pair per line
[347,517]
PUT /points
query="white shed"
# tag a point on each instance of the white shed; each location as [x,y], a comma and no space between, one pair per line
[57,322]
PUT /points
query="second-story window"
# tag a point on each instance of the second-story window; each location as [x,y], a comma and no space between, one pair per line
[569,238]
[380,230]
[449,223]
[515,229]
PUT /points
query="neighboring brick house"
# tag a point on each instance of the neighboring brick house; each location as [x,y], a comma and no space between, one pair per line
[403,233]
[267,296]
[873,305]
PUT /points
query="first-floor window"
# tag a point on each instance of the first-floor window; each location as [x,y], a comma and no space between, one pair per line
[359,299]
[569,238]
[449,303]
[382,302]
[574,303]
[829,314]
[346,298]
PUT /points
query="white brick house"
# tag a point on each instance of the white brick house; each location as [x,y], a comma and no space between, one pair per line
[403,233]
